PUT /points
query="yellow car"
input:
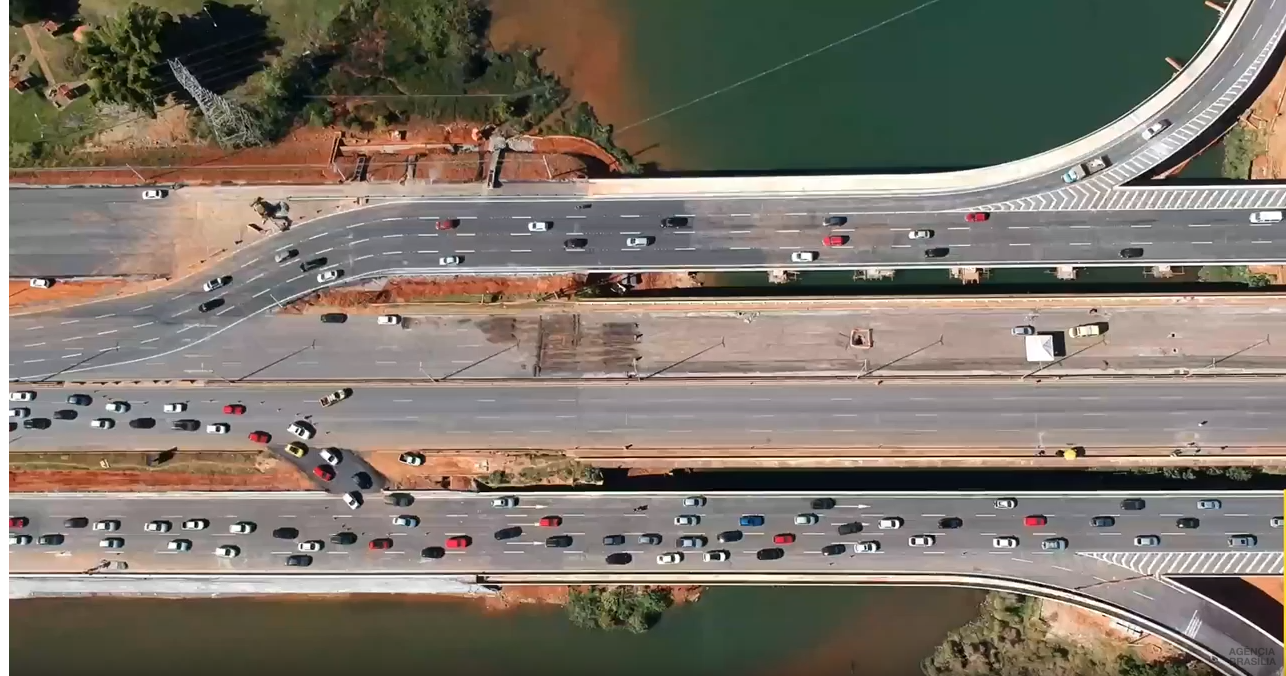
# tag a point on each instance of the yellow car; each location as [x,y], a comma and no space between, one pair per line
[296,449]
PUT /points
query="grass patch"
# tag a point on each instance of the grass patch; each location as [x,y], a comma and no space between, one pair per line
[194,463]
[543,469]
[43,133]
[1234,274]
[635,609]
[1240,148]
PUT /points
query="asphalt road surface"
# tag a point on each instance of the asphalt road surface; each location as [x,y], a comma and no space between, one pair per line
[660,415]
[588,518]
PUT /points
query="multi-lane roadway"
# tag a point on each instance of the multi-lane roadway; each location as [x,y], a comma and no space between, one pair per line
[1119,415]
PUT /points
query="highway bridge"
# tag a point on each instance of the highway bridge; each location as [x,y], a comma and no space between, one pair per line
[508,543]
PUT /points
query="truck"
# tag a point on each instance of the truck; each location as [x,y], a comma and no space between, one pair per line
[1084,169]
[336,396]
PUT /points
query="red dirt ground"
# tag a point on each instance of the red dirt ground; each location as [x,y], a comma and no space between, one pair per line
[1271,586]
[420,289]
[283,478]
[22,294]
[512,597]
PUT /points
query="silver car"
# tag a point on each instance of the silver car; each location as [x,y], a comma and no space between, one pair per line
[806,519]
[1209,504]
[1154,129]
[1147,541]
[687,520]
[1053,544]
[1243,541]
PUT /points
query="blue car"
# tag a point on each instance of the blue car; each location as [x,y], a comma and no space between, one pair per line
[752,520]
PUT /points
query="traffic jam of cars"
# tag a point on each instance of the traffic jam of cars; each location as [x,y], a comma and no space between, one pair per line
[699,537]
[21,403]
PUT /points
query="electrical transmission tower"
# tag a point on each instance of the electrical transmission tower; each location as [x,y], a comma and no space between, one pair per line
[232,125]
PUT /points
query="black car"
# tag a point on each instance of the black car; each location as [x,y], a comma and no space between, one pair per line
[729,536]
[344,538]
[1103,521]
[363,480]
[53,539]
[65,414]
[334,318]
[285,533]
[950,523]
[80,400]
[432,553]
[299,560]
[210,305]
[833,550]
[76,522]
[185,425]
[558,541]
[1132,252]
[650,539]
[937,252]
[613,540]
[575,244]
[1187,523]
[143,423]
[823,503]
[509,533]
[834,221]
[673,222]
[619,559]
[13,426]
[36,424]
[850,528]
[770,554]
[1133,504]
[312,264]
[399,499]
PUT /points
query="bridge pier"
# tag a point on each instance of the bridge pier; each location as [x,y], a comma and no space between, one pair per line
[1216,6]
[1174,63]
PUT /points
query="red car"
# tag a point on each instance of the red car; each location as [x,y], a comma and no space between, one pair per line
[260,437]
[380,543]
[1035,520]
[234,409]
[458,542]
[551,521]
[324,472]
[835,240]
[18,522]
[448,224]
[977,216]
[783,538]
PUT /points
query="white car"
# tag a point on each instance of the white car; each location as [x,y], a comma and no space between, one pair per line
[1276,522]
[891,523]
[353,499]
[687,520]
[242,528]
[1005,503]
[213,284]
[867,547]
[1147,541]
[920,234]
[311,546]
[505,502]
[283,256]
[157,526]
[412,459]
[22,396]
[19,539]
[806,519]
[332,457]
[1006,542]
[921,540]
[449,261]
[175,408]
[153,194]
[117,407]
[406,521]
[670,558]
[302,430]
[102,423]
[227,551]
[1154,129]
[694,501]
[111,543]
[109,525]
[388,320]
[803,256]
[196,524]
[638,241]
[1209,504]
[179,546]
[329,276]
[41,282]
[19,412]
[218,428]
[539,226]
[716,556]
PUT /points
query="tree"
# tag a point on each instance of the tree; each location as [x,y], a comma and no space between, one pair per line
[27,11]
[124,58]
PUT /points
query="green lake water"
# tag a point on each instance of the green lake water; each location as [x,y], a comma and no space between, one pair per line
[833,631]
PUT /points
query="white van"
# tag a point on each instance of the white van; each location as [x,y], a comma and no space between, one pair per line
[1266,217]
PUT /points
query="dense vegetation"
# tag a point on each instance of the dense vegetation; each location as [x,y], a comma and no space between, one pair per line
[634,608]
[123,58]
[1010,639]
[1240,148]
[1237,274]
